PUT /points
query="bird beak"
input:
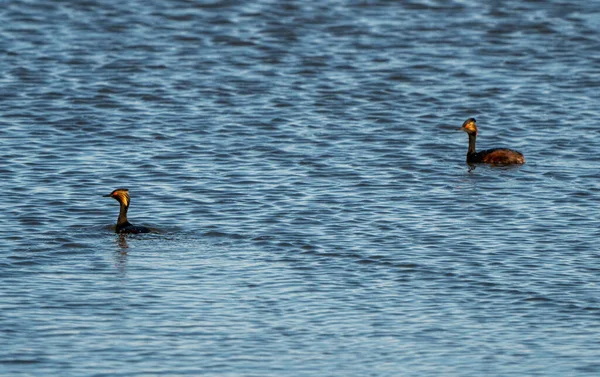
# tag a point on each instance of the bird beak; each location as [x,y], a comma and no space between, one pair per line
[106,196]
[461,129]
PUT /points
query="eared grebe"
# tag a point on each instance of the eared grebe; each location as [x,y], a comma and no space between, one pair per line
[121,195]
[497,156]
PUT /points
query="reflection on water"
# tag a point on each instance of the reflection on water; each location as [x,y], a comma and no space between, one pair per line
[122,242]
[120,256]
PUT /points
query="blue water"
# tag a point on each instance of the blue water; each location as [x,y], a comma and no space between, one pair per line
[300,164]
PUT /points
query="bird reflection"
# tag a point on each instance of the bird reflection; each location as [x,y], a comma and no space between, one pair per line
[122,242]
[121,256]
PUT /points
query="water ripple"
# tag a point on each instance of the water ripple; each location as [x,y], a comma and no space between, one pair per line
[300,167]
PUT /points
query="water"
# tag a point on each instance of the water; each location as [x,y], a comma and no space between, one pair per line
[300,163]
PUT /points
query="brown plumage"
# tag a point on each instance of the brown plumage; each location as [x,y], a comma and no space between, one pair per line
[121,195]
[496,156]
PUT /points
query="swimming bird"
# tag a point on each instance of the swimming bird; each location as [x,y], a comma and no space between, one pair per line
[496,156]
[121,195]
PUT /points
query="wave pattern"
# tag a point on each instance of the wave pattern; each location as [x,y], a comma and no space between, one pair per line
[301,164]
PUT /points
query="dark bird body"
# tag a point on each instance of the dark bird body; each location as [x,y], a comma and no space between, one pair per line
[121,195]
[495,156]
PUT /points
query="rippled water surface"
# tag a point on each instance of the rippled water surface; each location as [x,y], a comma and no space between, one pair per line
[300,164]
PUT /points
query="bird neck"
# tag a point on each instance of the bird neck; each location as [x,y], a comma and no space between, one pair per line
[472,138]
[122,215]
